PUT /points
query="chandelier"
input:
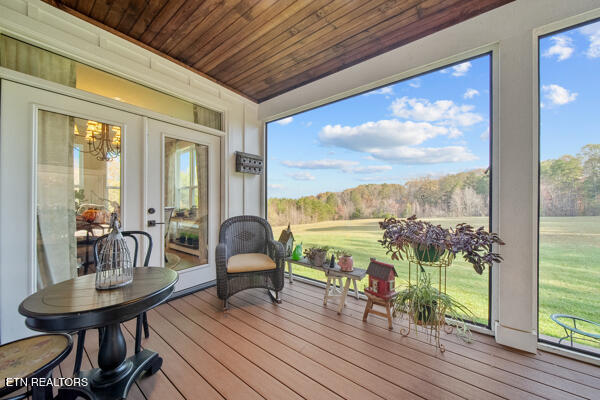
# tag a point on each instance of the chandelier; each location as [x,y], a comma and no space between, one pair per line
[103,140]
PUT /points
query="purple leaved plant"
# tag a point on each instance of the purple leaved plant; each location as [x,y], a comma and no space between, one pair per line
[475,245]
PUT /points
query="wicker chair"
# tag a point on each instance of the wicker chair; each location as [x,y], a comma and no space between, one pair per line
[248,257]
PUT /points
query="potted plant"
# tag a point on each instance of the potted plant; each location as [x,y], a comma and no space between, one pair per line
[182,238]
[430,242]
[316,255]
[192,239]
[425,305]
[345,260]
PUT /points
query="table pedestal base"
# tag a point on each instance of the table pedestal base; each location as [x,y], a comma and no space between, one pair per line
[118,387]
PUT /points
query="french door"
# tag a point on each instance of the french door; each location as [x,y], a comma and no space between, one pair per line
[183,200]
[58,189]
[67,164]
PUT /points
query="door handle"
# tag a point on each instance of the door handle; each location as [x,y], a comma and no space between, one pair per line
[152,222]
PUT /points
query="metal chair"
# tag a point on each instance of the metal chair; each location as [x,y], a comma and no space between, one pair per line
[142,319]
[252,237]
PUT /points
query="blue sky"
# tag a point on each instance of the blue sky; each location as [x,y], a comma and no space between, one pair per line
[431,125]
[570,91]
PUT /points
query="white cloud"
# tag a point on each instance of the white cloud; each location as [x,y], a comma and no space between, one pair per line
[320,164]
[386,91]
[424,155]
[558,95]
[285,121]
[302,176]
[592,32]
[309,123]
[470,93]
[461,69]
[379,134]
[442,111]
[444,71]
[485,135]
[415,83]
[369,169]
[276,186]
[562,48]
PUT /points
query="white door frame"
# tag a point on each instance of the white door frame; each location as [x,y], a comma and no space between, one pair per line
[18,186]
[155,136]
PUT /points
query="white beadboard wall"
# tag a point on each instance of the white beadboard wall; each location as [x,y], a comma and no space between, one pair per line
[45,26]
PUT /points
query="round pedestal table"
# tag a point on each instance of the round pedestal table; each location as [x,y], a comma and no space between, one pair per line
[76,304]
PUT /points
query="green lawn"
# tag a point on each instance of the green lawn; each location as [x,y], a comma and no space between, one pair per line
[569,277]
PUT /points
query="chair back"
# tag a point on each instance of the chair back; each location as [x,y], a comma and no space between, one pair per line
[98,243]
[245,234]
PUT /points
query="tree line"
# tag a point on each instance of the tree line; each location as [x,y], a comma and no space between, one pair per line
[569,186]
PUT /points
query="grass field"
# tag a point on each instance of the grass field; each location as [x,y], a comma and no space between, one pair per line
[569,270]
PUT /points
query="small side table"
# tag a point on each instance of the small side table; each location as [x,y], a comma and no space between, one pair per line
[388,303]
[333,274]
[32,357]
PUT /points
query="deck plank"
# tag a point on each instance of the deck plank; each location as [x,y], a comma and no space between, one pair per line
[250,373]
[534,376]
[301,349]
[543,361]
[283,372]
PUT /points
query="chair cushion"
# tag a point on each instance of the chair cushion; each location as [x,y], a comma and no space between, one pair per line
[249,262]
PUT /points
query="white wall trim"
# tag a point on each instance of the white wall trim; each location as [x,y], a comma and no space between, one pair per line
[393,79]
[569,353]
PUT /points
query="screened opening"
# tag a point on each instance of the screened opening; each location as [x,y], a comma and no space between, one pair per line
[569,189]
[417,147]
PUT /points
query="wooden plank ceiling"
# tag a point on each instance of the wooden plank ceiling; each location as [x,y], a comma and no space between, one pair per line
[263,48]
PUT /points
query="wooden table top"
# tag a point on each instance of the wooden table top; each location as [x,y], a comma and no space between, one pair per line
[79,296]
[356,273]
[22,358]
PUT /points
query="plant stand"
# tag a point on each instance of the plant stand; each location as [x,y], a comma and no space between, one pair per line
[440,263]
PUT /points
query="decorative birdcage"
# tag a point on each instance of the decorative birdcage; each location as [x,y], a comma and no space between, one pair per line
[115,268]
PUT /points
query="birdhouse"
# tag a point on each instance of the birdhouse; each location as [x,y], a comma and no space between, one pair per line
[382,279]
[287,239]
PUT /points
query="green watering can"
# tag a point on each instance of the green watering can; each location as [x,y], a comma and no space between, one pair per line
[297,253]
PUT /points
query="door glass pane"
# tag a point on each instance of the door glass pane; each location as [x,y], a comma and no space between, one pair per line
[186,203]
[78,186]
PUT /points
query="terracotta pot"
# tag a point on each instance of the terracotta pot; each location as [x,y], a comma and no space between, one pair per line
[346,263]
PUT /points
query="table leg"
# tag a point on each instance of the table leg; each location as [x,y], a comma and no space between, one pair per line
[116,374]
[290,275]
[344,294]
[368,308]
[327,291]
[355,289]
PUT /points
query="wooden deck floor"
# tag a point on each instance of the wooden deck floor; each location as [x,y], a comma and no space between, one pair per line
[301,349]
